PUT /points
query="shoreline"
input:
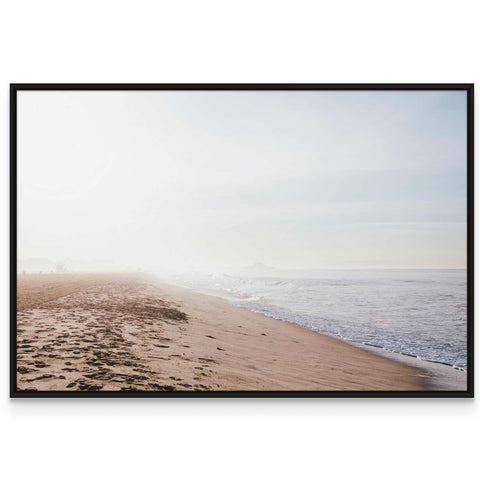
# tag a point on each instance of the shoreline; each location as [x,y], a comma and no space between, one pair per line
[128,332]
[439,376]
[173,290]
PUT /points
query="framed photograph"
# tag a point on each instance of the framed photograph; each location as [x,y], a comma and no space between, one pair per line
[241,240]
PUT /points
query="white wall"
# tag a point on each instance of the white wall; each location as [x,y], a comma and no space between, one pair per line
[249,41]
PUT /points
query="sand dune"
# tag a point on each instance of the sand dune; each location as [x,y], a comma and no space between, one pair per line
[126,332]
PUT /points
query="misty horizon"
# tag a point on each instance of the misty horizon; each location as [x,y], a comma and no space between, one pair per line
[194,180]
[76,265]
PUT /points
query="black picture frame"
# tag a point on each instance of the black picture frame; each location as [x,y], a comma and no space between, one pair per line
[468,88]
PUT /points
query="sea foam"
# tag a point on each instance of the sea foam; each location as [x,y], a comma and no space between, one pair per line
[421,313]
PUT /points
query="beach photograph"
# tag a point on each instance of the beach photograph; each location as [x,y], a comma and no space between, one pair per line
[240,241]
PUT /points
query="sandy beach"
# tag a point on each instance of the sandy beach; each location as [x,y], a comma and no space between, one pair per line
[115,332]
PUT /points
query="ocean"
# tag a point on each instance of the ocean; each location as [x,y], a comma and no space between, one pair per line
[421,313]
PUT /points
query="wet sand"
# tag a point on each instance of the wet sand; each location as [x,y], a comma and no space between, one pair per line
[115,332]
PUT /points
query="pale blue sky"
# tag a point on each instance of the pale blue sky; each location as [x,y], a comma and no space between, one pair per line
[294,179]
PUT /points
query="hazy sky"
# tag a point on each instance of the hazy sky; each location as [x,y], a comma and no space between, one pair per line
[218,179]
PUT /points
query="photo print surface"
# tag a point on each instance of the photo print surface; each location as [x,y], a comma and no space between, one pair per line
[240,241]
